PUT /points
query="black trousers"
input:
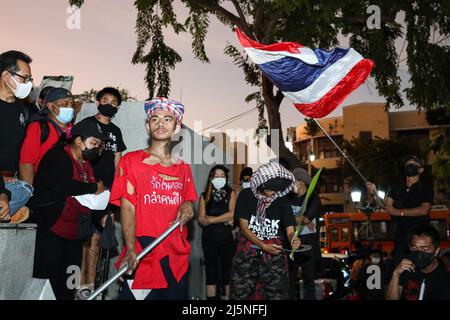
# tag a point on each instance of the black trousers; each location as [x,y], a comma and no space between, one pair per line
[52,258]
[218,250]
[309,269]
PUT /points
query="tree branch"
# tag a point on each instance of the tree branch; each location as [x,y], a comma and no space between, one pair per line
[223,13]
[279,96]
[241,15]
[270,23]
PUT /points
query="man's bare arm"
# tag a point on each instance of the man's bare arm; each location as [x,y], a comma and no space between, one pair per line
[26,172]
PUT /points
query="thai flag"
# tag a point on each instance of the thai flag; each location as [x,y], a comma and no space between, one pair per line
[316,81]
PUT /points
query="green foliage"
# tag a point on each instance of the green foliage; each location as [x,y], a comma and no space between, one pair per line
[89,95]
[440,146]
[380,160]
[311,127]
[438,116]
[76,3]
[161,58]
[313,23]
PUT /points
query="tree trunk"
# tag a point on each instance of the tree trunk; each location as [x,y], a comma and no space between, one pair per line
[273,103]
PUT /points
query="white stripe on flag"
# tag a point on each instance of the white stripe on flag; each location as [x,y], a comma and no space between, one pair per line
[261,56]
[326,81]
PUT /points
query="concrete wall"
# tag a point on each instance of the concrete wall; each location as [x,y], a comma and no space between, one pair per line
[16,258]
[131,120]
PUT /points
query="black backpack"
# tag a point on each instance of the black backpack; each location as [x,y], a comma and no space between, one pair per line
[44,123]
[45,129]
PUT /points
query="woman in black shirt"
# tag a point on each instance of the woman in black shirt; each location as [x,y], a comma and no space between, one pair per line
[216,212]
[64,172]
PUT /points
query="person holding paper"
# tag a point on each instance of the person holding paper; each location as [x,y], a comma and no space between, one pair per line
[64,172]
[309,234]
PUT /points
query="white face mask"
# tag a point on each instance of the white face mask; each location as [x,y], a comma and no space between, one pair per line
[245,185]
[219,183]
[22,89]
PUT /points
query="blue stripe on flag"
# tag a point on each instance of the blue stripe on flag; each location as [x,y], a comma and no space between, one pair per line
[290,74]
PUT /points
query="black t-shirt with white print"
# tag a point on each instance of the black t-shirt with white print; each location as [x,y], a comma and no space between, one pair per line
[12,133]
[437,284]
[104,167]
[279,216]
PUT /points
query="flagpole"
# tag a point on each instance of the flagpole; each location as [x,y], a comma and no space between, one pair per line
[341,151]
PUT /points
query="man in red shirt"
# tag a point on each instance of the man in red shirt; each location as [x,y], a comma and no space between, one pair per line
[153,190]
[43,134]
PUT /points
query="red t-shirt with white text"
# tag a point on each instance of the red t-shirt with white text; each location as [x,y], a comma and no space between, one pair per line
[157,201]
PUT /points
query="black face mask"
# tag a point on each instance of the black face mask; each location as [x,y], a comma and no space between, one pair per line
[411,170]
[90,154]
[421,259]
[107,110]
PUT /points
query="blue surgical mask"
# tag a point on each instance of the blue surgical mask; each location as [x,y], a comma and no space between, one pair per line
[65,115]
[219,183]
[245,185]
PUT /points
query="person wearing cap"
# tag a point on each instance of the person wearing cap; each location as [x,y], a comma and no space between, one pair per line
[40,105]
[64,171]
[41,101]
[44,133]
[308,236]
[153,190]
[108,102]
[359,275]
[16,83]
[408,203]
[244,179]
[265,218]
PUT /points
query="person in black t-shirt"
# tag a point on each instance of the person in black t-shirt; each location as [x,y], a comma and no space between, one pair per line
[265,218]
[109,101]
[309,234]
[15,84]
[215,214]
[108,104]
[64,172]
[408,203]
[421,272]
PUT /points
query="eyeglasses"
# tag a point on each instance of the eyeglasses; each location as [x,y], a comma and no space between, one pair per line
[25,78]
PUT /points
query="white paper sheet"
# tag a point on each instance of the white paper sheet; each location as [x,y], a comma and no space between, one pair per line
[94,202]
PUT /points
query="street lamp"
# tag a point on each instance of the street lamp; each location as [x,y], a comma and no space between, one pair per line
[356,196]
[381,194]
[367,210]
